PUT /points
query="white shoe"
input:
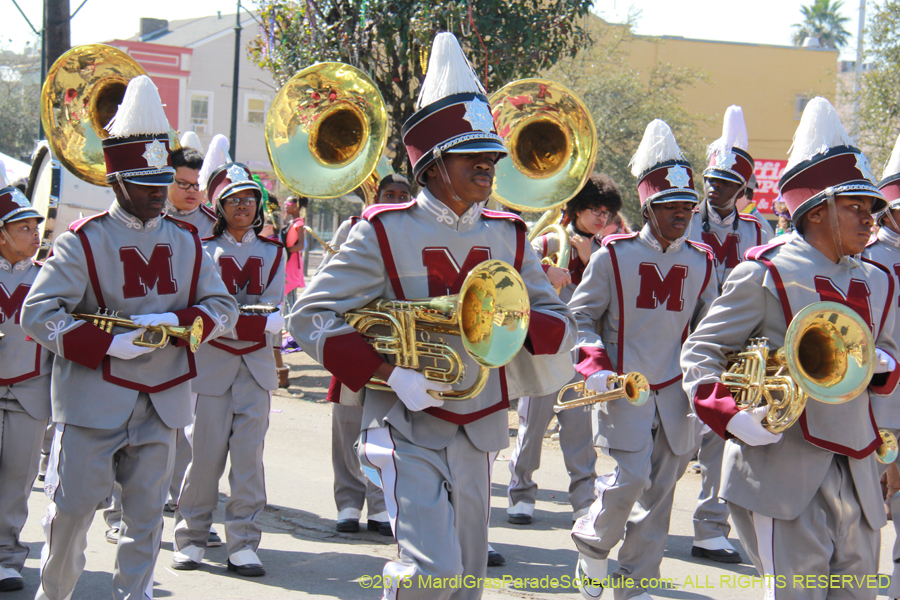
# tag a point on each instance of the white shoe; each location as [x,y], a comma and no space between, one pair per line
[590,573]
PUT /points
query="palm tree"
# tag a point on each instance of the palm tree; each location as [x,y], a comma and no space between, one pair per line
[822,19]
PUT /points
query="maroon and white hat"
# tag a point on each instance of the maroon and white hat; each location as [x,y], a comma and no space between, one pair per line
[137,148]
[663,173]
[728,156]
[229,179]
[453,114]
[890,178]
[14,206]
[824,162]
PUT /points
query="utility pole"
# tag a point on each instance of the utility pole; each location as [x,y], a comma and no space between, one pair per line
[234,86]
[56,37]
[858,69]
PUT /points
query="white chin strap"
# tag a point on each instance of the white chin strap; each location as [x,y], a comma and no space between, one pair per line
[655,225]
[439,159]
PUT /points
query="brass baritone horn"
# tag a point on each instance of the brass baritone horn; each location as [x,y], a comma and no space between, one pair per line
[633,387]
[490,314]
[107,320]
[828,355]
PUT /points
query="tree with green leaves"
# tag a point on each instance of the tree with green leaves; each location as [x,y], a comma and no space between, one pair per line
[19,87]
[822,19]
[622,101]
[390,40]
[877,99]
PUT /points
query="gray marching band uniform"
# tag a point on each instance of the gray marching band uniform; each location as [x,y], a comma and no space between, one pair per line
[116,418]
[434,465]
[535,415]
[634,307]
[885,250]
[202,218]
[235,377]
[24,411]
[810,503]
[729,238]
[351,487]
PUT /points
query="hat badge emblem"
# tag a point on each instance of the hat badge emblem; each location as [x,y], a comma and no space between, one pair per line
[725,160]
[478,114]
[862,163]
[155,154]
[678,177]
[236,173]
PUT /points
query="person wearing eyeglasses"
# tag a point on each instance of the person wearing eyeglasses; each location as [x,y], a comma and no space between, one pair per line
[235,378]
[585,215]
[185,200]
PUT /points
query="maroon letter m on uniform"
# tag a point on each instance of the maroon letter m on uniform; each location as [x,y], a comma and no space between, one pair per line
[142,275]
[444,274]
[656,289]
[10,305]
[237,278]
[857,297]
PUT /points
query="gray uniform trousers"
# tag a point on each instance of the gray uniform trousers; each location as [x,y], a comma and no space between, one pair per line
[805,546]
[231,425]
[439,506]
[634,500]
[575,440]
[351,487]
[113,514]
[21,436]
[85,463]
[711,514]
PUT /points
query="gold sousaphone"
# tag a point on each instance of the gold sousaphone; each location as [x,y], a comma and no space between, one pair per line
[326,130]
[828,355]
[81,94]
[490,315]
[552,144]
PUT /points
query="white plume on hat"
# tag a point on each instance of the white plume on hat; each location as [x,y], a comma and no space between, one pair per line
[141,111]
[658,145]
[449,72]
[820,129]
[734,133]
[3,180]
[215,158]
[893,164]
[189,139]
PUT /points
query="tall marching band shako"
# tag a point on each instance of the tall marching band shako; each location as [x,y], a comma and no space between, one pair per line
[728,156]
[662,171]
[452,112]
[14,206]
[890,184]
[137,149]
[824,164]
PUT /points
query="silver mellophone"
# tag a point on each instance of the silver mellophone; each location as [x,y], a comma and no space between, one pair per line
[257,309]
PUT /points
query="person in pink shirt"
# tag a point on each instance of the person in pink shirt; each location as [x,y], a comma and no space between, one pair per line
[294,243]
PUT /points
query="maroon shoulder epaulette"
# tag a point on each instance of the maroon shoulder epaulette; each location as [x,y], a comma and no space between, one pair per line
[756,252]
[270,241]
[208,212]
[182,224]
[702,247]
[79,223]
[619,236]
[505,216]
[377,209]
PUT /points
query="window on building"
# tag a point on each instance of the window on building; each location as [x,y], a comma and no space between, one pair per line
[254,109]
[201,112]
[800,102]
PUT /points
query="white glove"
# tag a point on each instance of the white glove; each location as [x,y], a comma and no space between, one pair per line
[598,382]
[123,345]
[884,363]
[412,388]
[167,319]
[746,425]
[274,323]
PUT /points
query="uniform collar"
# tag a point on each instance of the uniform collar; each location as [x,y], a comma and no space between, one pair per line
[807,250]
[18,266]
[648,238]
[721,221]
[130,221]
[177,212]
[445,216]
[889,237]
[249,236]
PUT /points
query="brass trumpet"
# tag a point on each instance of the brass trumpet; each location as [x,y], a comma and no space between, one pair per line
[828,355]
[634,387]
[106,319]
[490,314]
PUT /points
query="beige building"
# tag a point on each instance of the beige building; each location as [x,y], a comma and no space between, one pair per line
[192,63]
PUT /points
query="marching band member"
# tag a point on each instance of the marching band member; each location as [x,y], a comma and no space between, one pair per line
[638,298]
[117,405]
[585,215]
[805,502]
[885,250]
[236,376]
[718,224]
[24,381]
[185,199]
[351,487]
[746,200]
[432,457]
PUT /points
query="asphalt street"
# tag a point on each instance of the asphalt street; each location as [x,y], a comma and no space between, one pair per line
[305,557]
